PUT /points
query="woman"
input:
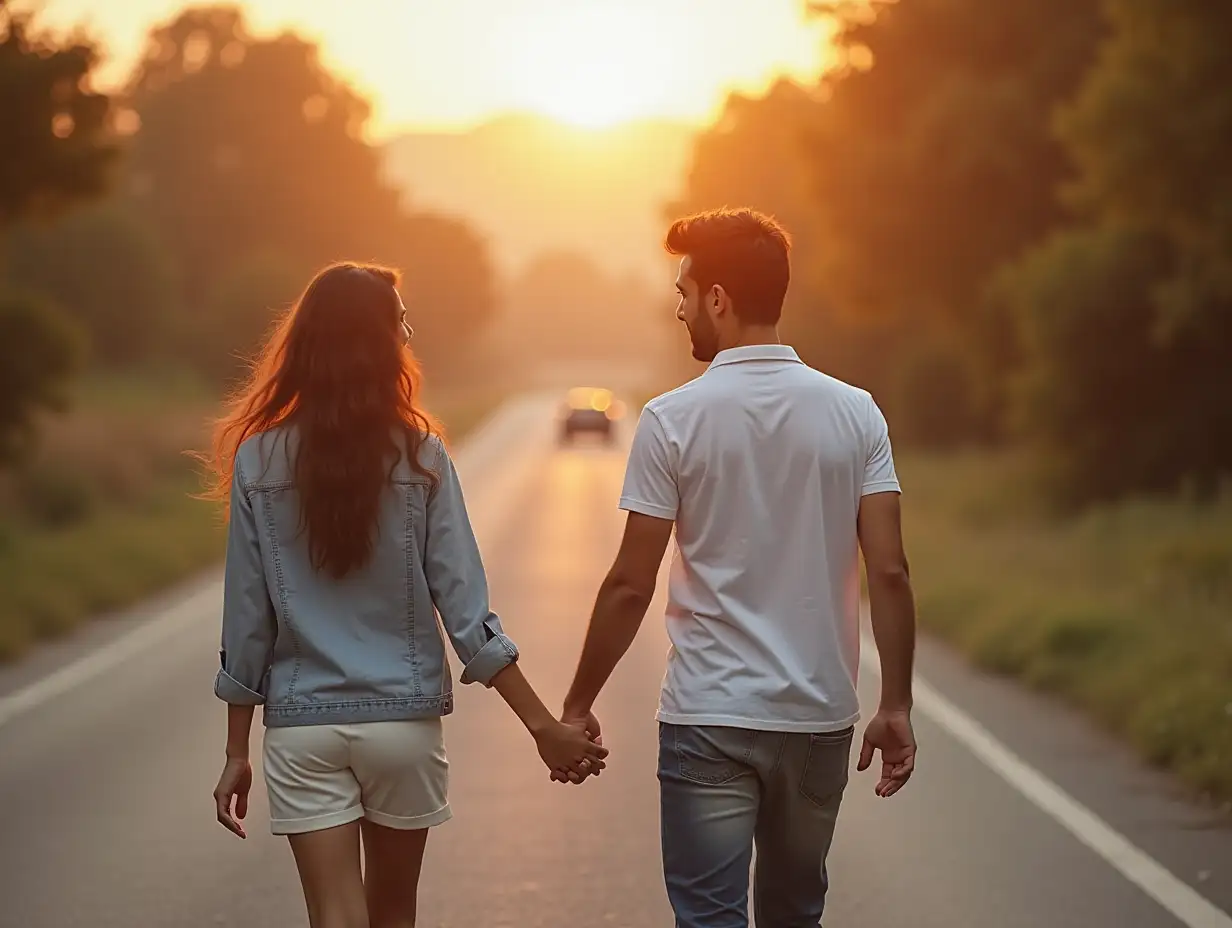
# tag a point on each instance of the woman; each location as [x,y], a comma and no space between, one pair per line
[347,528]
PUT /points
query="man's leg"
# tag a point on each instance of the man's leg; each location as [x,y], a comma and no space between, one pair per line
[709,796]
[795,826]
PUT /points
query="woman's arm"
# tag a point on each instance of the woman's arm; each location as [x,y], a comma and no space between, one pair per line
[231,793]
[459,588]
[566,749]
[458,582]
[248,632]
[239,731]
[249,625]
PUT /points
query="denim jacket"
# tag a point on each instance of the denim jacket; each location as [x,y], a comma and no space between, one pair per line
[314,650]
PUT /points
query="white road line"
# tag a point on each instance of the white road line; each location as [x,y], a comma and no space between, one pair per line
[1181,901]
[111,655]
[497,435]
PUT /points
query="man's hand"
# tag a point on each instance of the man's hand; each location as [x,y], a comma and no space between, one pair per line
[890,733]
[587,722]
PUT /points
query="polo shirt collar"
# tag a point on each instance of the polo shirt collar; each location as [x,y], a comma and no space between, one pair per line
[783,353]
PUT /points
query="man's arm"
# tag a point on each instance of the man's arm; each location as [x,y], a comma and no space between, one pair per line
[891,601]
[619,609]
[879,526]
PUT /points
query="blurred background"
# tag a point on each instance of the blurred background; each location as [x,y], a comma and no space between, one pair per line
[1012,223]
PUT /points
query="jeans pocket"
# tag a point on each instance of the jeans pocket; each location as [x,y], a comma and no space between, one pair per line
[712,755]
[826,766]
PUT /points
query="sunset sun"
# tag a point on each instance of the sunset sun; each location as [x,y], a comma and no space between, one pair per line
[592,67]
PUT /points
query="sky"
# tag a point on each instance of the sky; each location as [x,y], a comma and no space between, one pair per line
[451,64]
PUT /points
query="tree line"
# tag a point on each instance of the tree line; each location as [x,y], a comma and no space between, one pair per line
[167,222]
[1013,224]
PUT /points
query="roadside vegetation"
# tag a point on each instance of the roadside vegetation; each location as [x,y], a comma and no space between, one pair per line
[1124,610]
[104,514]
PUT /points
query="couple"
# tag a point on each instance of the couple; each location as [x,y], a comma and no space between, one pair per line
[348,531]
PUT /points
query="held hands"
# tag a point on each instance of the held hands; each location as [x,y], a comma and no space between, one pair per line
[890,732]
[233,785]
[570,751]
[587,725]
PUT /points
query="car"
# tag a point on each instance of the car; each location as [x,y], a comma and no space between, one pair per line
[589,409]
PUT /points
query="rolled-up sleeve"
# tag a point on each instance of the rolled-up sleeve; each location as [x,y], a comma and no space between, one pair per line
[459,584]
[249,625]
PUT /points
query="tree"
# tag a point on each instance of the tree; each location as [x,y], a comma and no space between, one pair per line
[1127,318]
[39,351]
[249,146]
[1151,132]
[920,165]
[56,150]
[57,144]
[934,165]
[107,269]
[248,143]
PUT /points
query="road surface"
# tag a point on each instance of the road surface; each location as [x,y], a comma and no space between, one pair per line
[1019,815]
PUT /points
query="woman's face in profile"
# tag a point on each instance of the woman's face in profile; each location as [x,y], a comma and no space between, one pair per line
[407,331]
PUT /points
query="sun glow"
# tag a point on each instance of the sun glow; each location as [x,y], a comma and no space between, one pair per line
[450,66]
[594,66]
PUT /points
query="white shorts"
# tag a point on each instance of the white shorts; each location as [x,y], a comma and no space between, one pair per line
[392,773]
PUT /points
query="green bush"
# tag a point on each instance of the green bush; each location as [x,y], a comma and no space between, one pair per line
[107,269]
[1103,393]
[1122,609]
[39,351]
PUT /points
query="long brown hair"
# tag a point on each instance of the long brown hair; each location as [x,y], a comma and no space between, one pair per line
[337,368]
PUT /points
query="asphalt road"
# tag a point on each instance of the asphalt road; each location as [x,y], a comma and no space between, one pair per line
[1019,815]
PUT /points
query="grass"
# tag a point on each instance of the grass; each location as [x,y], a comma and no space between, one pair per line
[1124,611]
[104,515]
[52,580]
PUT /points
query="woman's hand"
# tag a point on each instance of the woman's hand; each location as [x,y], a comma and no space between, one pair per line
[569,751]
[234,784]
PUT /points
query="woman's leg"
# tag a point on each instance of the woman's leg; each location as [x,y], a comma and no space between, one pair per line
[392,860]
[404,776]
[328,862]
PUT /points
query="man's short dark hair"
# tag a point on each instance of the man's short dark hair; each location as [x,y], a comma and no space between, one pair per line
[743,251]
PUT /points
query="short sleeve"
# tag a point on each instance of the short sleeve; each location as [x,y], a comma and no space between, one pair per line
[879,475]
[650,478]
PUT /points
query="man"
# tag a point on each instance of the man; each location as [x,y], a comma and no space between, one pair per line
[772,474]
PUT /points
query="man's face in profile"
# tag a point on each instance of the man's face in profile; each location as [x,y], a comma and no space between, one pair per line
[703,335]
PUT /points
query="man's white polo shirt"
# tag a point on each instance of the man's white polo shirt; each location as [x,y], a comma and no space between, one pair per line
[761,462]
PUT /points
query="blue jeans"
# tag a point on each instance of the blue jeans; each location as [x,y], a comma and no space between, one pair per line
[724,789]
